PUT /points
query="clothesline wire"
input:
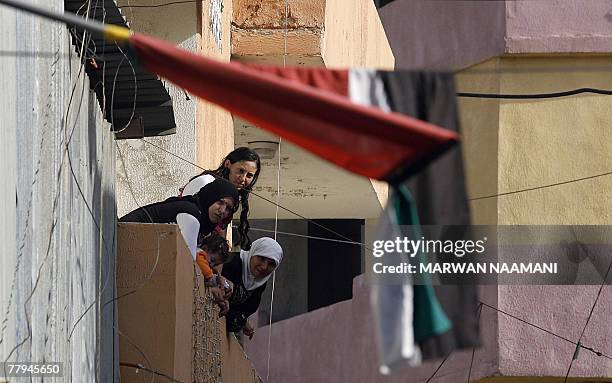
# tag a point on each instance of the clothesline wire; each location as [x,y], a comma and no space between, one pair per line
[474,348]
[578,343]
[479,309]
[305,236]
[542,187]
[278,192]
[260,196]
[439,367]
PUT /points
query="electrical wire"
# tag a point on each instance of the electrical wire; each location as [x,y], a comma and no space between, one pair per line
[439,367]
[474,348]
[542,187]
[306,236]
[596,352]
[566,93]
[53,213]
[155,372]
[578,343]
[278,191]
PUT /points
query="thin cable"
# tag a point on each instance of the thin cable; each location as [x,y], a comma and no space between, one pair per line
[535,95]
[439,367]
[541,187]
[578,343]
[157,257]
[306,236]
[127,124]
[155,372]
[142,353]
[260,196]
[56,198]
[278,191]
[598,353]
[474,348]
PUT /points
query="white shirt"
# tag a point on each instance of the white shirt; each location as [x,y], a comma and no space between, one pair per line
[197,183]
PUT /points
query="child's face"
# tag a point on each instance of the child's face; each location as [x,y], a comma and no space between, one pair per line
[213,259]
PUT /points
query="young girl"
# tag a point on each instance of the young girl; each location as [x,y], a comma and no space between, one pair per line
[213,252]
[241,167]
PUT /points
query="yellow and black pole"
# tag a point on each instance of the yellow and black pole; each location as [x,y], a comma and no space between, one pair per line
[109,31]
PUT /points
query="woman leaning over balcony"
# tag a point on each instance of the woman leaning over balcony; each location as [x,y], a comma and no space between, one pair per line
[241,167]
[249,273]
[197,215]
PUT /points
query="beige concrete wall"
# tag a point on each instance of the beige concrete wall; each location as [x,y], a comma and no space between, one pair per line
[145,173]
[549,141]
[215,130]
[263,30]
[167,321]
[155,308]
[354,36]
[330,33]
[513,145]
[479,119]
[520,144]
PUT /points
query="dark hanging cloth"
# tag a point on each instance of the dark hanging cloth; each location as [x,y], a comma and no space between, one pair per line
[438,189]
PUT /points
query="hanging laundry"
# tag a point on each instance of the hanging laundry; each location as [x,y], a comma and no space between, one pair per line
[440,196]
[441,318]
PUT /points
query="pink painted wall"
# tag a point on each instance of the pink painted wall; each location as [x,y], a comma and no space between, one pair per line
[455,34]
[337,344]
[563,310]
[535,26]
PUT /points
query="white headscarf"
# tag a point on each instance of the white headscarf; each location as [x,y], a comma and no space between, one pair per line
[264,247]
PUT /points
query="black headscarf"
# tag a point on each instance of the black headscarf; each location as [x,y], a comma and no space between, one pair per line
[210,194]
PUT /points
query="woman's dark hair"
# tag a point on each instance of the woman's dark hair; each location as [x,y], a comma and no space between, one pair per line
[214,243]
[239,154]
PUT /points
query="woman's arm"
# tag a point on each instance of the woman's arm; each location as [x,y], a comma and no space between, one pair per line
[190,227]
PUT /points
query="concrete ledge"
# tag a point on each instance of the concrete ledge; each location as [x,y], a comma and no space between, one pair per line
[167,320]
[154,310]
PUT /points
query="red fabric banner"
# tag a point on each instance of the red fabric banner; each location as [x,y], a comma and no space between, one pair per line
[302,105]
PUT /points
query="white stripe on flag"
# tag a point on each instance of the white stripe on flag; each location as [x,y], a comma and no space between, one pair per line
[366,88]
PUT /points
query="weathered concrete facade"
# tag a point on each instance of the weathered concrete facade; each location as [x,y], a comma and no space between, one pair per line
[166,317]
[147,173]
[58,198]
[515,47]
[311,33]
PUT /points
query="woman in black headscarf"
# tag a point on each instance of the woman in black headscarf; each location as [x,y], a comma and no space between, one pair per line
[197,215]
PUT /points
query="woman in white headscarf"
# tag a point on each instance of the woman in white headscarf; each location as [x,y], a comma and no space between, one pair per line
[250,273]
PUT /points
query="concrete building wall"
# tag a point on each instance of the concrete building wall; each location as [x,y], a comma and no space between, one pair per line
[58,195]
[509,145]
[444,34]
[559,26]
[167,317]
[146,173]
[354,36]
[543,142]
